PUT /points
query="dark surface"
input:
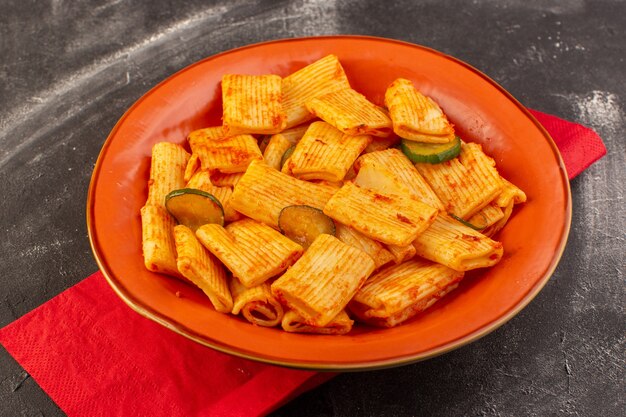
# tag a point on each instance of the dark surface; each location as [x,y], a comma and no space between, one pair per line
[69,70]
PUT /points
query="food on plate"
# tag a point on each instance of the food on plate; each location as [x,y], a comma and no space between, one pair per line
[340,324]
[321,283]
[159,250]
[167,171]
[222,153]
[256,304]
[252,251]
[457,246]
[370,214]
[201,267]
[321,77]
[263,192]
[252,104]
[416,117]
[350,112]
[325,153]
[396,294]
[465,184]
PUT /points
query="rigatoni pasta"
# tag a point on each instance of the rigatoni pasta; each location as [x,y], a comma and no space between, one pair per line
[226,154]
[158,247]
[313,288]
[351,113]
[292,322]
[415,116]
[263,192]
[466,184]
[200,267]
[167,171]
[325,153]
[321,77]
[252,104]
[450,243]
[396,294]
[256,304]
[252,251]
[389,218]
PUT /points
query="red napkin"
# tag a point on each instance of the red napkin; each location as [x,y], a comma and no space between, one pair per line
[94,356]
[579,145]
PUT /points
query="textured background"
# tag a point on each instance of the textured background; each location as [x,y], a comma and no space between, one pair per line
[68,71]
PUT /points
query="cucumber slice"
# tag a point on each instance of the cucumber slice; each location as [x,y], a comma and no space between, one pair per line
[465,222]
[432,153]
[286,155]
[303,224]
[194,208]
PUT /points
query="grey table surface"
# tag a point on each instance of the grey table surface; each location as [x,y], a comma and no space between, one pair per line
[69,70]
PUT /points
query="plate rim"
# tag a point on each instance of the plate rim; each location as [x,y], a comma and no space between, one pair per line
[182,330]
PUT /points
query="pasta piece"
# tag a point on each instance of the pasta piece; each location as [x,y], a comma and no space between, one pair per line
[389,218]
[294,134]
[256,304]
[398,293]
[220,179]
[350,112]
[400,166]
[415,116]
[509,196]
[457,246]
[193,165]
[159,250]
[167,171]
[375,250]
[324,153]
[202,181]
[313,288]
[401,253]
[225,154]
[496,227]
[263,192]
[252,104]
[377,177]
[201,268]
[275,150]
[487,216]
[380,144]
[293,323]
[321,77]
[252,251]
[465,184]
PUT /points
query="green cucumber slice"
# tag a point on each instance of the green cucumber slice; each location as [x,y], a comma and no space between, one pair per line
[303,224]
[432,153]
[286,155]
[465,222]
[193,208]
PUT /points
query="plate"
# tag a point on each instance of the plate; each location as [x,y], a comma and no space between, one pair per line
[482,112]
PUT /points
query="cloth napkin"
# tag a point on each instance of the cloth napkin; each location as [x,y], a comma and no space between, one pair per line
[95,357]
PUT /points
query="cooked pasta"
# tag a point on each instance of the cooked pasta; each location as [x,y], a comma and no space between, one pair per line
[200,267]
[313,288]
[252,251]
[310,225]
[256,304]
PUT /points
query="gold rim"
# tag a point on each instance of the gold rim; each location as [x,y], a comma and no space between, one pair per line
[179,328]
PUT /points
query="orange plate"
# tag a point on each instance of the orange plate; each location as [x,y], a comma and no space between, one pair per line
[481,110]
